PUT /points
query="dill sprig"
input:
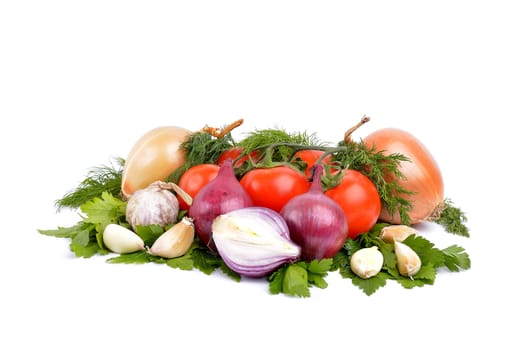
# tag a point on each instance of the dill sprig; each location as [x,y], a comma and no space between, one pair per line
[202,148]
[453,219]
[260,139]
[381,169]
[99,179]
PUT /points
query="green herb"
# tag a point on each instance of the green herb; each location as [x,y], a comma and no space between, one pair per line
[263,139]
[201,148]
[453,219]
[295,279]
[86,235]
[140,257]
[383,171]
[104,178]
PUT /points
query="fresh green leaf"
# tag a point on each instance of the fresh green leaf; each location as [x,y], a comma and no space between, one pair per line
[68,232]
[140,257]
[317,270]
[425,250]
[205,260]
[295,281]
[369,285]
[389,259]
[184,262]
[104,210]
[83,248]
[456,258]
[320,267]
[351,246]
[276,279]
[339,260]
[149,233]
[426,275]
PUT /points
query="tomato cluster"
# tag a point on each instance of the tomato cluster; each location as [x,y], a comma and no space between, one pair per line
[273,187]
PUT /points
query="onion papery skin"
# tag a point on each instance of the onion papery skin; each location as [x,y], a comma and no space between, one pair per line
[253,241]
[155,156]
[222,194]
[316,222]
[423,176]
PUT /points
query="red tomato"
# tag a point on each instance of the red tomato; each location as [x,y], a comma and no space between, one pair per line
[358,197]
[195,178]
[310,157]
[234,153]
[274,187]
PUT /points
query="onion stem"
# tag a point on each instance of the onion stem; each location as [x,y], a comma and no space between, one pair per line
[348,133]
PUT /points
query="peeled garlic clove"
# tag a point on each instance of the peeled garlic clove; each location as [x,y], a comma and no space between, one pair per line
[366,262]
[408,262]
[120,240]
[396,233]
[176,241]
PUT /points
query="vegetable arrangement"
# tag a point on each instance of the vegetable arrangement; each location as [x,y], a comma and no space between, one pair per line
[278,206]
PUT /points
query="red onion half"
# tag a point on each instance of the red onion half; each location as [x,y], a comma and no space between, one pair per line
[253,241]
[316,222]
[221,195]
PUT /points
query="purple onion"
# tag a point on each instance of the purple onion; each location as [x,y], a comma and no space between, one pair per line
[254,241]
[221,195]
[316,222]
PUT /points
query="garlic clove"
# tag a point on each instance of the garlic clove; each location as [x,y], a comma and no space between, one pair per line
[366,262]
[396,233]
[176,241]
[408,262]
[121,240]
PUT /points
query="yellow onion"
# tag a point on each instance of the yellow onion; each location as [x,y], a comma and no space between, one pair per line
[423,176]
[155,156]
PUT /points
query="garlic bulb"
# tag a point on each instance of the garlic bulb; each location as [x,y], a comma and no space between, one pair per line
[120,240]
[366,262]
[176,241]
[408,262]
[396,233]
[155,204]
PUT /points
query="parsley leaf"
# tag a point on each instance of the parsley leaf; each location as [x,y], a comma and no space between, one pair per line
[140,257]
[67,232]
[455,258]
[276,280]
[149,233]
[369,285]
[184,262]
[104,210]
[295,281]
[425,250]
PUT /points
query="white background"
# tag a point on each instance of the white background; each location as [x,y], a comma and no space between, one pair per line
[81,81]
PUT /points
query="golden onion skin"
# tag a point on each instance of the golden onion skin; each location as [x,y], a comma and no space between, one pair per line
[422,173]
[155,156]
